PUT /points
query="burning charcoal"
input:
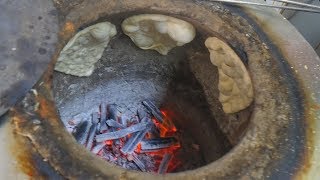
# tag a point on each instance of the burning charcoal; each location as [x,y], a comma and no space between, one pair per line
[125,119]
[164,163]
[103,113]
[115,146]
[148,161]
[113,112]
[158,143]
[81,132]
[93,130]
[133,142]
[138,162]
[119,161]
[98,147]
[154,110]
[133,120]
[115,124]
[117,143]
[122,133]
[142,113]
[108,156]
[154,131]
[146,119]
[132,166]
[103,127]
[98,128]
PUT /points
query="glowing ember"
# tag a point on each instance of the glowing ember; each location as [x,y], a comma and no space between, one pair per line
[146,142]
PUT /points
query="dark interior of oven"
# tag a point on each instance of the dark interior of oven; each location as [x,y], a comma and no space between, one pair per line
[127,75]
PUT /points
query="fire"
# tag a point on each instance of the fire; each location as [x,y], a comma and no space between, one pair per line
[109,142]
[138,149]
[167,127]
[168,122]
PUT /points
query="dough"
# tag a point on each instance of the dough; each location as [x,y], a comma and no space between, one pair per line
[81,53]
[158,32]
[235,86]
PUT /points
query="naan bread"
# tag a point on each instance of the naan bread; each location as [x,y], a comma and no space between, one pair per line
[235,86]
[81,53]
[158,32]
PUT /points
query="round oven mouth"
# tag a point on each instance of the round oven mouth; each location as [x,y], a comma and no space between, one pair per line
[178,84]
[249,138]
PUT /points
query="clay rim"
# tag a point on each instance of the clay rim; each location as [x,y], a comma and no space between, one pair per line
[215,169]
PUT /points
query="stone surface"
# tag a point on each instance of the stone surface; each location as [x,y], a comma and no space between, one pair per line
[29,35]
[235,86]
[158,32]
[81,53]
